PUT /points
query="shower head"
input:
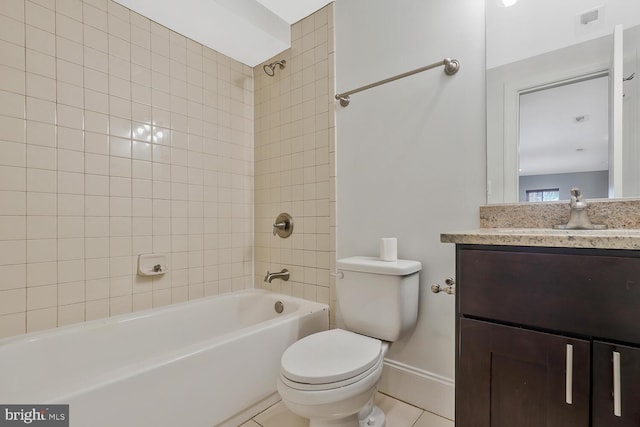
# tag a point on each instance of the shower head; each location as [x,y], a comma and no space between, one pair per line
[270,68]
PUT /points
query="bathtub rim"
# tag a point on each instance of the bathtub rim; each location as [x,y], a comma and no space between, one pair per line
[148,312]
[157,360]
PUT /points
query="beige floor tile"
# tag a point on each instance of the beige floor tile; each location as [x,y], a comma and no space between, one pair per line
[279,416]
[398,414]
[431,420]
[250,423]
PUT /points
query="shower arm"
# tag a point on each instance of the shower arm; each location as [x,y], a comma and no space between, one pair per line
[269,69]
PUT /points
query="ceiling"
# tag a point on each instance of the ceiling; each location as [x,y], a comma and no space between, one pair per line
[249,31]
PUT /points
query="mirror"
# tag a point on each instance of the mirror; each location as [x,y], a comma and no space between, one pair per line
[540,53]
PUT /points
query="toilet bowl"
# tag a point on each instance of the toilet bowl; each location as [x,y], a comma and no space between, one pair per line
[330,377]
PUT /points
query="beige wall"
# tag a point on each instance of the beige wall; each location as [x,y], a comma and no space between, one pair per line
[119,137]
[295,162]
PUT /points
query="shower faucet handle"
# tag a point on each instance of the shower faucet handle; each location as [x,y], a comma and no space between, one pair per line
[283,226]
[279,226]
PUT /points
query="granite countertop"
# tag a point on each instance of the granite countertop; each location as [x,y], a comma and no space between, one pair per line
[530,224]
[601,239]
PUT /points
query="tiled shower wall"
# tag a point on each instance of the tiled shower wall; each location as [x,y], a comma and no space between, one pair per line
[119,137]
[295,162]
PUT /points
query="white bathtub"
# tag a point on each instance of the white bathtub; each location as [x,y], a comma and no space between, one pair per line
[203,363]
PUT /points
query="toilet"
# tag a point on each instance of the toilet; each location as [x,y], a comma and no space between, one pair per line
[330,377]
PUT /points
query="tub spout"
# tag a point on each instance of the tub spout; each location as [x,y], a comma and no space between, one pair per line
[284,275]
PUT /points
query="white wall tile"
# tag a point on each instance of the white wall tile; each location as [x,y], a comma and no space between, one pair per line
[120,147]
[97,309]
[70,204]
[70,182]
[39,297]
[119,246]
[102,157]
[68,93]
[141,150]
[96,164]
[42,227]
[120,167]
[71,313]
[39,157]
[69,50]
[97,268]
[96,247]
[38,320]
[12,301]
[70,161]
[44,273]
[13,79]
[70,139]
[12,104]
[13,202]
[70,226]
[12,227]
[40,87]
[12,129]
[70,8]
[97,226]
[96,143]
[40,40]
[12,324]
[13,276]
[12,21]
[120,207]
[142,207]
[69,249]
[13,154]
[70,271]
[41,203]
[40,110]
[71,117]
[141,169]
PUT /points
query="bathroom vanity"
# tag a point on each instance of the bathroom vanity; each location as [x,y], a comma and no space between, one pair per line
[547,328]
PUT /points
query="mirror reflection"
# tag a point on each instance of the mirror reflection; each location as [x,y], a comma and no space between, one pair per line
[561,100]
[563,138]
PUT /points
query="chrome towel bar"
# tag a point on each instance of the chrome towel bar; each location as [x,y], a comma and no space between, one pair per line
[451,66]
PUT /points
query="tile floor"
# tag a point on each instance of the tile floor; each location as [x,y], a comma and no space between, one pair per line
[399,414]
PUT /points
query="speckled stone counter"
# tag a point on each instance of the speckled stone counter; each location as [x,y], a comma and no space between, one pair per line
[616,213]
[530,224]
[600,239]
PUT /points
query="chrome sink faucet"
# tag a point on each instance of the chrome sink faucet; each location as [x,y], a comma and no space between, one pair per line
[284,275]
[578,218]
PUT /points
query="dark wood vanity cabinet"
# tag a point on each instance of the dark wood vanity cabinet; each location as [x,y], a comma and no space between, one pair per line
[540,334]
[629,388]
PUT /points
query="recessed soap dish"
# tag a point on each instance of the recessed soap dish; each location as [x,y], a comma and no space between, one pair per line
[152,264]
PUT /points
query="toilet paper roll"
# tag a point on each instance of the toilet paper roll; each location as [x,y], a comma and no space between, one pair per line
[389,249]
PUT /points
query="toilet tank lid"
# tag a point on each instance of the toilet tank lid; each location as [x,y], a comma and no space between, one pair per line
[401,267]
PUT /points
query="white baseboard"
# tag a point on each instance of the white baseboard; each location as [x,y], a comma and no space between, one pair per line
[423,389]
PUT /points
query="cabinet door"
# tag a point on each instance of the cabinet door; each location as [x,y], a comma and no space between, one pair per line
[616,402]
[510,377]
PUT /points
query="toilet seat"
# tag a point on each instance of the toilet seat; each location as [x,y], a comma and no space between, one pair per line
[330,359]
[333,385]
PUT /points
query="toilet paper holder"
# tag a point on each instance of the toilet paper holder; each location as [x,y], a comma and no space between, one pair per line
[450,287]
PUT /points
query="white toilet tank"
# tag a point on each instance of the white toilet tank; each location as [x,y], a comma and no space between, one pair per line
[377,298]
